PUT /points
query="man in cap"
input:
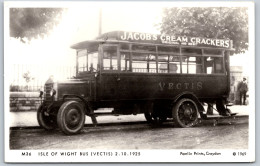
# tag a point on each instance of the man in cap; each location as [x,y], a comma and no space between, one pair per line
[242,89]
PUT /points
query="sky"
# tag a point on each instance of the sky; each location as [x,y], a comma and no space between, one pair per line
[77,24]
[80,23]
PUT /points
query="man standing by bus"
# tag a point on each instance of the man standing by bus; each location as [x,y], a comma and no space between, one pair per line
[242,89]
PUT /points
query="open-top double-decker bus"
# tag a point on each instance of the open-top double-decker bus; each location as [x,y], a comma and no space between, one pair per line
[160,76]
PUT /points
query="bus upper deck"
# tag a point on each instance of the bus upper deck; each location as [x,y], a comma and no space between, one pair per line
[148,53]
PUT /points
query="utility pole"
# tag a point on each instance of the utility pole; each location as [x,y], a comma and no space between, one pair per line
[100,21]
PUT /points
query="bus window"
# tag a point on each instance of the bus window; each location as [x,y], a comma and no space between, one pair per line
[192,65]
[184,64]
[168,60]
[87,61]
[191,68]
[82,60]
[151,63]
[110,58]
[199,67]
[143,48]
[214,65]
[163,49]
[92,59]
[125,61]
[174,64]
[143,59]
[169,64]
[163,63]
[213,61]
[82,66]
[143,63]
[209,65]
[124,46]
[191,51]
[219,65]
[139,63]
[212,52]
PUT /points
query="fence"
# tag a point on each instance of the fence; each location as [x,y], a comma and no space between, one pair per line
[32,77]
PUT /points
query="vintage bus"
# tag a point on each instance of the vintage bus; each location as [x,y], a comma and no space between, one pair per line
[160,76]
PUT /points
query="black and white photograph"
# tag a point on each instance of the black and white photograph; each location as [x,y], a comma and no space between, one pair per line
[135,82]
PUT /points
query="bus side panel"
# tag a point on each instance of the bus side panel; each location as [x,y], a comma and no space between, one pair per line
[133,86]
[108,87]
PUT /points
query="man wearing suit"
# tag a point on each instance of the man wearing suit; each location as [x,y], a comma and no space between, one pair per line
[242,89]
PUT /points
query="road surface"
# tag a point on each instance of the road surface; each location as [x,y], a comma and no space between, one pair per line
[137,135]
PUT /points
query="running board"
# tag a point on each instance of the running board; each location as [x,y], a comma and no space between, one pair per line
[105,114]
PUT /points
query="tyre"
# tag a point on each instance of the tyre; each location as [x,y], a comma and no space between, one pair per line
[71,117]
[185,113]
[45,121]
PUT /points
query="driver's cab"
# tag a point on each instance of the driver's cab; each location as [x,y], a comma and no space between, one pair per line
[87,59]
[94,57]
[98,64]
[87,62]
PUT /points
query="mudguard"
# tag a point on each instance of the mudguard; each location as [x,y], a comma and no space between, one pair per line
[192,97]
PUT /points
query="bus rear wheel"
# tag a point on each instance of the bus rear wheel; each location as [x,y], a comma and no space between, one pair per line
[45,121]
[71,117]
[185,113]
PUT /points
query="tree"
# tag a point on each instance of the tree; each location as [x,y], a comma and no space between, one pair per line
[28,78]
[33,22]
[212,22]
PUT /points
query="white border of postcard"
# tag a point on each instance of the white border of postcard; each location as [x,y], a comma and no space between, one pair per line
[211,155]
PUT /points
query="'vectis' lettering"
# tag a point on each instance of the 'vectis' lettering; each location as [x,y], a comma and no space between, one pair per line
[199,85]
[162,85]
[179,86]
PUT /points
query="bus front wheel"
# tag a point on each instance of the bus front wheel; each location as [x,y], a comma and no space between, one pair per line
[45,120]
[185,113]
[71,117]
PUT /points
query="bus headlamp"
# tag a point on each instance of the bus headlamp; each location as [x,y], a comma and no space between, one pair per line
[41,93]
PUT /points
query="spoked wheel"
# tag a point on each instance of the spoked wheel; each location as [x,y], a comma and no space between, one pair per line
[185,113]
[45,120]
[71,117]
